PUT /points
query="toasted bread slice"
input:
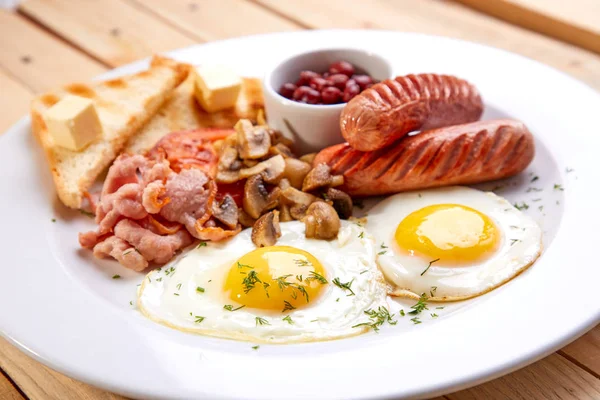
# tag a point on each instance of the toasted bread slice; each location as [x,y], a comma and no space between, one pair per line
[124,105]
[181,112]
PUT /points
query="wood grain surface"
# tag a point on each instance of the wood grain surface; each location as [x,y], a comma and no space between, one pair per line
[60,41]
[578,25]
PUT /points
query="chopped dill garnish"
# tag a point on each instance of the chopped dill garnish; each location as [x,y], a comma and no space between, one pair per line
[420,305]
[361,235]
[240,266]
[344,286]
[201,244]
[535,178]
[416,320]
[363,271]
[402,312]
[302,263]
[289,320]
[255,347]
[316,276]
[169,271]
[522,206]
[87,213]
[229,307]
[53,219]
[558,187]
[250,281]
[178,286]
[199,289]
[533,189]
[513,241]
[429,266]
[198,319]
[116,276]
[261,321]
[287,306]
[434,315]
[377,318]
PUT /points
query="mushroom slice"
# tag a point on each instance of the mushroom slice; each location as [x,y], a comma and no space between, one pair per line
[295,171]
[342,203]
[226,211]
[284,184]
[284,213]
[266,230]
[297,201]
[319,176]
[309,158]
[229,166]
[246,220]
[321,221]
[271,169]
[278,137]
[257,198]
[337,180]
[253,141]
[281,149]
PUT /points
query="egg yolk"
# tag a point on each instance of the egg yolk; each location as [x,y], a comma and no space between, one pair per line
[280,278]
[448,232]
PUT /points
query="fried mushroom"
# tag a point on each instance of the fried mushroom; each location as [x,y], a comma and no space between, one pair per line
[257,198]
[295,171]
[253,141]
[308,158]
[321,221]
[228,170]
[226,211]
[297,202]
[272,169]
[320,176]
[342,203]
[266,230]
[246,220]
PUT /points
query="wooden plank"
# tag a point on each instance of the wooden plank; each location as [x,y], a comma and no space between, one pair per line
[112,31]
[209,20]
[14,102]
[7,390]
[39,382]
[441,18]
[38,60]
[585,351]
[575,22]
[554,377]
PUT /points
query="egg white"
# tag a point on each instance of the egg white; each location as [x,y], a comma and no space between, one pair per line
[169,295]
[520,246]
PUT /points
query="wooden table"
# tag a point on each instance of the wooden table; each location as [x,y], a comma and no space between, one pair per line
[45,43]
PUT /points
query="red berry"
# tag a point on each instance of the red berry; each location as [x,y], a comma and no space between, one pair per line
[331,95]
[319,83]
[338,80]
[306,77]
[305,94]
[342,67]
[287,90]
[350,92]
[363,80]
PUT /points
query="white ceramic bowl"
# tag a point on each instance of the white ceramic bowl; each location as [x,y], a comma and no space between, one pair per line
[314,126]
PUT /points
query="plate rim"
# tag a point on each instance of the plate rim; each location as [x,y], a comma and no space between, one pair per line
[526,359]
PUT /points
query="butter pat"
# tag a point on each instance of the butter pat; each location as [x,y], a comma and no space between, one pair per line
[73,122]
[216,87]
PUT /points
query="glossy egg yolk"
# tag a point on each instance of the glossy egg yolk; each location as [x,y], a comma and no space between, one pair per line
[448,232]
[280,278]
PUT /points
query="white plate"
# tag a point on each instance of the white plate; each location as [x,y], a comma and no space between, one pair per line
[62,307]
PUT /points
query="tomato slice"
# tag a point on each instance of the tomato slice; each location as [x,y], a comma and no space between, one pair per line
[191,149]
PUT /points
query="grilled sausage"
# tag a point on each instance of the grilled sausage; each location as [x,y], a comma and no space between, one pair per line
[461,154]
[395,107]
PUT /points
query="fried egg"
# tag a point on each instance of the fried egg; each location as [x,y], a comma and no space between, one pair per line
[298,290]
[451,243]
